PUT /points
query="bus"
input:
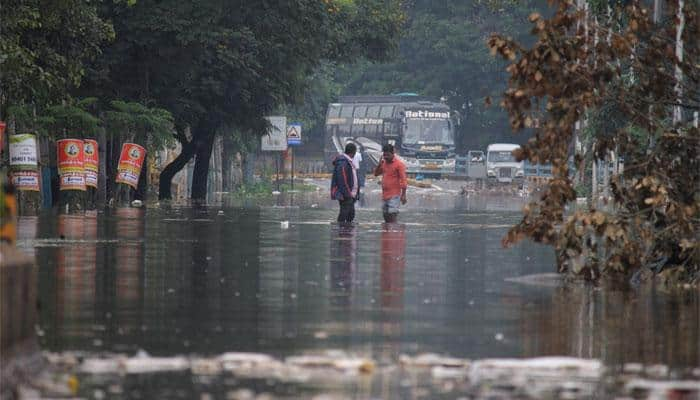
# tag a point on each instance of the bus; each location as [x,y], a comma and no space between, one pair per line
[421,130]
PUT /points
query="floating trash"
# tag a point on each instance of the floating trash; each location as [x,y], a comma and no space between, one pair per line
[428,360]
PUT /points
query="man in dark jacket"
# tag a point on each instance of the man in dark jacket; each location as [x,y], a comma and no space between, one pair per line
[344,183]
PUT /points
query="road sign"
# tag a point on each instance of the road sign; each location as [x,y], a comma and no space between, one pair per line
[294,134]
[276,139]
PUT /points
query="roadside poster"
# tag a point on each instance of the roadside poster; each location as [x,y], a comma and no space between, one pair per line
[294,134]
[2,134]
[25,180]
[275,140]
[91,162]
[130,163]
[71,164]
[70,156]
[23,152]
[72,181]
[24,169]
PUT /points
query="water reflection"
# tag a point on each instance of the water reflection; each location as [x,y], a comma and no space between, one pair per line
[193,281]
[343,263]
[647,326]
[393,262]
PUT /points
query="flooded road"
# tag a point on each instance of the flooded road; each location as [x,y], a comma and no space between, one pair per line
[283,280]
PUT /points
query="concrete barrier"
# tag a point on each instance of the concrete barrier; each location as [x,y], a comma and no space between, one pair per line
[19,351]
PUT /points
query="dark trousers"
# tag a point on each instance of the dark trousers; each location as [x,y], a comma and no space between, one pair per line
[347,210]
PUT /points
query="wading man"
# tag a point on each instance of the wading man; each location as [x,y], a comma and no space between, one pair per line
[344,183]
[394,183]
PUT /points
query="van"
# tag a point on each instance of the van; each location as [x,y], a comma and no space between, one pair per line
[501,166]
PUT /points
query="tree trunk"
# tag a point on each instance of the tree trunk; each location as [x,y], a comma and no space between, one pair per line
[227,154]
[677,110]
[249,167]
[122,195]
[71,201]
[142,187]
[204,143]
[166,176]
[102,175]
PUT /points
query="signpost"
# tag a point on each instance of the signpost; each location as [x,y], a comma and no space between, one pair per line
[293,139]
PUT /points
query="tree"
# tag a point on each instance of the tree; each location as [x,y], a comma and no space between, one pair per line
[442,56]
[44,45]
[229,63]
[625,63]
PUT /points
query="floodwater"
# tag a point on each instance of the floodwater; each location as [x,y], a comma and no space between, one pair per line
[281,279]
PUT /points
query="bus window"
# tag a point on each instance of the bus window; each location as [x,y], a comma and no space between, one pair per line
[333,111]
[386,112]
[346,111]
[360,111]
[373,112]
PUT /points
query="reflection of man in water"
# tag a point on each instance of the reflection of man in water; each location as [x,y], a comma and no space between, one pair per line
[393,261]
[342,263]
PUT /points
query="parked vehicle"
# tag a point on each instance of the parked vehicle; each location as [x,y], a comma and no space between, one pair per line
[501,166]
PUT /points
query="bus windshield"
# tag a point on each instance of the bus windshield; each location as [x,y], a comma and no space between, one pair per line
[420,131]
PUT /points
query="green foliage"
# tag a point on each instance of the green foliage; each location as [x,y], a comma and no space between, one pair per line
[441,54]
[43,47]
[74,118]
[231,63]
[134,121]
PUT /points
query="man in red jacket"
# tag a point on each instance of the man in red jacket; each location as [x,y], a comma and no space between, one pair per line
[394,183]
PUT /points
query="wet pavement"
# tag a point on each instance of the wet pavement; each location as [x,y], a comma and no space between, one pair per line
[277,277]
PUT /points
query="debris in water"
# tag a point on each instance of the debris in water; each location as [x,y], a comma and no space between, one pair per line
[321,335]
[427,360]
[334,359]
[143,363]
[538,377]
[205,366]
[241,394]
[284,224]
[112,365]
[440,372]
[656,389]
[499,336]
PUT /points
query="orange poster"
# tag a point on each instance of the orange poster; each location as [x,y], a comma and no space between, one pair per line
[130,163]
[91,162]
[70,156]
[71,166]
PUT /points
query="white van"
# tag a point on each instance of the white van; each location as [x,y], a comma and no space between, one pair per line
[501,165]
